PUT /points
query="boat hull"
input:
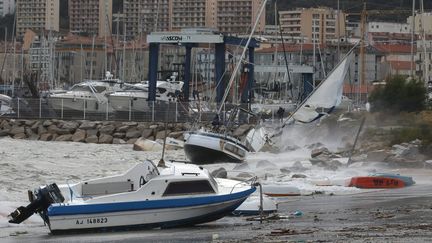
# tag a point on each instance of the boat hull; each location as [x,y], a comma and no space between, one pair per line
[151,216]
[207,149]
[126,103]
[370,182]
[71,104]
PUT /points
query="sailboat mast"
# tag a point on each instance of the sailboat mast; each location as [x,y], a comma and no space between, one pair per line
[412,38]
[362,49]
[263,5]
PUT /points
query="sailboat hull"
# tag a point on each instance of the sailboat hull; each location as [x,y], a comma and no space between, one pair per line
[207,148]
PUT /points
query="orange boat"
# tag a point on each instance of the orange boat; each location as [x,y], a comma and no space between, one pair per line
[376,182]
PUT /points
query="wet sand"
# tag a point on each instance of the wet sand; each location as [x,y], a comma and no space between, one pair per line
[398,215]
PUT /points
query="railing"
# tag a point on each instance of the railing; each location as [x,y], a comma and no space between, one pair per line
[132,110]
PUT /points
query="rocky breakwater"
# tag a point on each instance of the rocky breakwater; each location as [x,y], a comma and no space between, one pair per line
[109,132]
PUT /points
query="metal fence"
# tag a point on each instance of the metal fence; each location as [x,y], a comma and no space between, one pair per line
[136,110]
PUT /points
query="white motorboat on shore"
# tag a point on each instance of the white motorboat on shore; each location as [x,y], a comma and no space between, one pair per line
[145,196]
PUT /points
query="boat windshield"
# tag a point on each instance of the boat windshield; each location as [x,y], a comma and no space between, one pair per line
[99,89]
[188,187]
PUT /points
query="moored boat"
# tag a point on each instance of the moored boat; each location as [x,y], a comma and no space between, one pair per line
[145,196]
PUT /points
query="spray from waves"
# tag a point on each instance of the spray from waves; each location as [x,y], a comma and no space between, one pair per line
[334,135]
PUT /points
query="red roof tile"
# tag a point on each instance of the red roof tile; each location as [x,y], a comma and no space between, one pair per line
[401,65]
[394,48]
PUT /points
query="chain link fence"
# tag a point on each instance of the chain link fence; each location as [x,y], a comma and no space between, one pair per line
[132,110]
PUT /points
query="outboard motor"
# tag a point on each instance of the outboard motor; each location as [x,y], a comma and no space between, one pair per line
[38,203]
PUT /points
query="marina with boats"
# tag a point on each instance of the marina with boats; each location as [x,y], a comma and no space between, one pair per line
[205,131]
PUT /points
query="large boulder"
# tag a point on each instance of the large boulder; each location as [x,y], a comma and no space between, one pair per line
[146,132]
[133,133]
[143,144]
[35,126]
[79,135]
[86,125]
[71,126]
[16,130]
[92,132]
[46,137]
[92,139]
[123,128]
[161,134]
[52,128]
[107,129]
[105,138]
[19,136]
[118,141]
[175,134]
[41,130]
[64,138]
[119,135]
[47,123]
[3,133]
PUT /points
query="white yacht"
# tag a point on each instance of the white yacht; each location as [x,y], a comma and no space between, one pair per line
[88,96]
[134,96]
[5,105]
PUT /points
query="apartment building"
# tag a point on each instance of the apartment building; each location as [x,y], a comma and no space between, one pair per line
[228,16]
[145,16]
[6,7]
[92,17]
[422,22]
[188,13]
[37,15]
[316,25]
[238,16]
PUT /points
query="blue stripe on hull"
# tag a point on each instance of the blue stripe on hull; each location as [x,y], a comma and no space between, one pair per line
[202,155]
[169,224]
[62,209]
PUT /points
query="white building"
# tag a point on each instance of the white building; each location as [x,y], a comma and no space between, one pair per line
[422,22]
[388,27]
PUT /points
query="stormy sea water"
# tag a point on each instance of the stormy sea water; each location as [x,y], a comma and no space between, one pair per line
[24,165]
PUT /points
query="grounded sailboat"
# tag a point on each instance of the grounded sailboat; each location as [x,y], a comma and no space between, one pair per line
[209,147]
[321,102]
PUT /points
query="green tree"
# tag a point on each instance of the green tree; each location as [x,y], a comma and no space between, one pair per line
[399,94]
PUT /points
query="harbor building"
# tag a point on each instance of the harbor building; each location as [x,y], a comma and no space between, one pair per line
[37,15]
[91,17]
[318,25]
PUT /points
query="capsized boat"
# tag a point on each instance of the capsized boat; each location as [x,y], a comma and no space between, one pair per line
[408,180]
[280,190]
[145,196]
[376,182]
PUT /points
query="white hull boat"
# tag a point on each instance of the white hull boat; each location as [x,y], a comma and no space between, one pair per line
[5,105]
[178,195]
[88,96]
[134,97]
[203,147]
